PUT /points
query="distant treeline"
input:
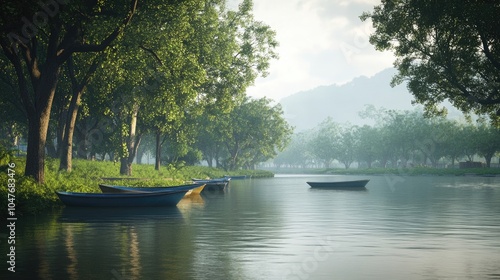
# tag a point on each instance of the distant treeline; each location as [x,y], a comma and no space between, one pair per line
[399,139]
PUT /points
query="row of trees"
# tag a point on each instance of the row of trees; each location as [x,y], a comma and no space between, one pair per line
[252,132]
[108,73]
[400,138]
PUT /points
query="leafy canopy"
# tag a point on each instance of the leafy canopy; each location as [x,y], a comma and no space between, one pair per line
[445,49]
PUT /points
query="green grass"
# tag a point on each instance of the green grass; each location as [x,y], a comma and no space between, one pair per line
[32,198]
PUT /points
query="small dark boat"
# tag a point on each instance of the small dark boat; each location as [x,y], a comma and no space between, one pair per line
[211,185]
[216,180]
[124,189]
[357,184]
[137,199]
[241,177]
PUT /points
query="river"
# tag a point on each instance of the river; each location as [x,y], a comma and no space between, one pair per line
[415,227]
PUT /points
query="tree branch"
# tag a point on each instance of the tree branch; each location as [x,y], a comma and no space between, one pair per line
[487,52]
[65,53]
[152,53]
[30,57]
[14,58]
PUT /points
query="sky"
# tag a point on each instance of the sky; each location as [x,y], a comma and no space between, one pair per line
[322,42]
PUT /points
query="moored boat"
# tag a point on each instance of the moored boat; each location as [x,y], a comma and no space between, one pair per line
[123,189]
[356,184]
[216,180]
[240,177]
[211,185]
[137,199]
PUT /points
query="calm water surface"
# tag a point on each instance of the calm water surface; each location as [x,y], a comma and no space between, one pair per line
[278,228]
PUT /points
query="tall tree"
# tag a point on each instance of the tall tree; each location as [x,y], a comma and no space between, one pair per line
[296,153]
[347,142]
[323,144]
[368,145]
[488,140]
[444,49]
[254,133]
[69,120]
[38,40]
[240,49]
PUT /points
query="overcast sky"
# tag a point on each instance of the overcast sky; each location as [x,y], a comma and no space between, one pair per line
[322,42]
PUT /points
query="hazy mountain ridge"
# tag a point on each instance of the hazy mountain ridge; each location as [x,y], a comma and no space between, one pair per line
[306,109]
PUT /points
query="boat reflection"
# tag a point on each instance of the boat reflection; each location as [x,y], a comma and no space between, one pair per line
[339,189]
[118,214]
[191,202]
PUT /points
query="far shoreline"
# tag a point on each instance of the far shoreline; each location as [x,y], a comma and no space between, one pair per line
[414,171]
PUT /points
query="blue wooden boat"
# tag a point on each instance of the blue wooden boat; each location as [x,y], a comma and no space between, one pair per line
[141,199]
[123,189]
[356,184]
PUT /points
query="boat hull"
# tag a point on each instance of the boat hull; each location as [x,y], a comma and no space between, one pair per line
[241,177]
[213,185]
[357,184]
[217,180]
[124,189]
[151,199]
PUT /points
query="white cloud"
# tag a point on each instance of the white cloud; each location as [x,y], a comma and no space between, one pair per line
[322,42]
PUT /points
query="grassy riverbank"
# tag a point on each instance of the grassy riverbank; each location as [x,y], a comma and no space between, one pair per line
[31,198]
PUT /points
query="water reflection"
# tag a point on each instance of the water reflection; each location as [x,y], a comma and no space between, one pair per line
[280,228]
[70,249]
[117,214]
[339,189]
[135,265]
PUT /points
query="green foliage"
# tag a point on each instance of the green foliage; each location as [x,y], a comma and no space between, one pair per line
[253,132]
[400,139]
[6,154]
[154,74]
[323,145]
[445,50]
[297,152]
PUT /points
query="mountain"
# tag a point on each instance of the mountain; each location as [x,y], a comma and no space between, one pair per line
[306,109]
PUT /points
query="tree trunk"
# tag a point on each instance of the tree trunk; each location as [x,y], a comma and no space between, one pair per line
[233,155]
[140,155]
[158,151]
[67,142]
[39,123]
[61,127]
[125,167]
[132,144]
[487,158]
[66,155]
[35,154]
